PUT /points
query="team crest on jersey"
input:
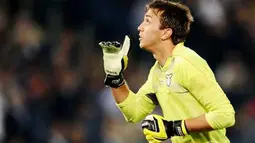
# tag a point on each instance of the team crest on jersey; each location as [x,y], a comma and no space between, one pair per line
[168,79]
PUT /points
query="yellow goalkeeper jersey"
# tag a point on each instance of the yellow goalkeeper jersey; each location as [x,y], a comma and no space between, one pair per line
[185,87]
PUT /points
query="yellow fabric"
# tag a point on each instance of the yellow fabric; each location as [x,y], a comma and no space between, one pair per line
[135,108]
[185,88]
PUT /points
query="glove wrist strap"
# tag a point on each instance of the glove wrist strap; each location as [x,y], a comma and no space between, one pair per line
[177,128]
[184,128]
[114,81]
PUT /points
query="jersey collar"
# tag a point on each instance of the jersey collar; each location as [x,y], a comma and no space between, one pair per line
[176,51]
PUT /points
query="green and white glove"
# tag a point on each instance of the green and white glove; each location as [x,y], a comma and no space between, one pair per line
[115,61]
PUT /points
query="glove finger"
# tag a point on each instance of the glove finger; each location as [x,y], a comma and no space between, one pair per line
[101,44]
[126,45]
[145,124]
[156,135]
[151,139]
[148,132]
[116,44]
[109,47]
[125,62]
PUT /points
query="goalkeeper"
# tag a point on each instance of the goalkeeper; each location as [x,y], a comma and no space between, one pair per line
[195,108]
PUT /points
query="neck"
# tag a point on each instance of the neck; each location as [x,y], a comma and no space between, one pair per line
[163,52]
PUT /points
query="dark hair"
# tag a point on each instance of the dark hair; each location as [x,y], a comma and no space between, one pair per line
[173,15]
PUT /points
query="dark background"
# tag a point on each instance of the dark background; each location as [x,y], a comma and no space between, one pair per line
[51,72]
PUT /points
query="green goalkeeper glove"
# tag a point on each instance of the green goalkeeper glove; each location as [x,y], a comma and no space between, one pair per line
[157,129]
[115,61]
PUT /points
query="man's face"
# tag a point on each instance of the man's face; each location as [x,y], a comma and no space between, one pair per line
[149,31]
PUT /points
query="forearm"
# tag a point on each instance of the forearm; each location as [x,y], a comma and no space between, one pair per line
[134,107]
[210,121]
[197,124]
[121,93]
[221,113]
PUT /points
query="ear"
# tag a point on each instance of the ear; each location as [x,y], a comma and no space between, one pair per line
[166,33]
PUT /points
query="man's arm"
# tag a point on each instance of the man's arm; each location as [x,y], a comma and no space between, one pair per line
[121,93]
[156,128]
[197,124]
[203,86]
[134,107]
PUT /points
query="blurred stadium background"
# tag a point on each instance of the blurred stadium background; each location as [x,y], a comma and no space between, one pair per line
[51,72]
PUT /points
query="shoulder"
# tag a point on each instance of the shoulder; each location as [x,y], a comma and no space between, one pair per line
[186,57]
[190,64]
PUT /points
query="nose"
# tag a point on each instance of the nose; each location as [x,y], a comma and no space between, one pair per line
[139,28]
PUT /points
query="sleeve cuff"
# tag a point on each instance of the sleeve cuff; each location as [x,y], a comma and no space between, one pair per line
[209,120]
[184,128]
[220,120]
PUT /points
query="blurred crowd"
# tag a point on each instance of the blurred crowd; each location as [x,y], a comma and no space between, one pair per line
[51,72]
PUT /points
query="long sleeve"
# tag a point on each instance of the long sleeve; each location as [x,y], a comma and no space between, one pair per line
[136,106]
[198,78]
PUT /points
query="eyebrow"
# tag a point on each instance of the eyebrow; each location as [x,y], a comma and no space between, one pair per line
[148,16]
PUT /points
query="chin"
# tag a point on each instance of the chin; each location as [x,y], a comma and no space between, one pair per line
[146,48]
[141,45]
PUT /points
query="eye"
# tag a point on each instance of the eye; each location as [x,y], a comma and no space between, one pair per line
[147,20]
